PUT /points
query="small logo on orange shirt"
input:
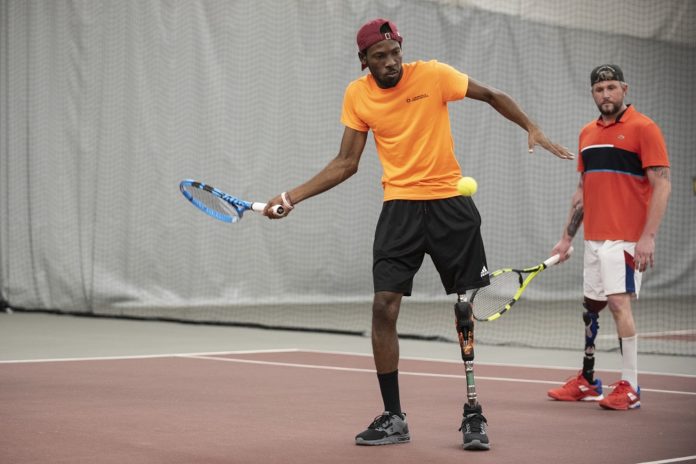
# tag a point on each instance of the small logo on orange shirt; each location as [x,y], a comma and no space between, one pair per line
[417,97]
[621,137]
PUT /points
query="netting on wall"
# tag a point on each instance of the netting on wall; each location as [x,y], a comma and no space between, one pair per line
[106,106]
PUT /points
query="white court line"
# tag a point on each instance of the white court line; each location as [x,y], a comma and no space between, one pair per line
[415,374]
[665,333]
[666,461]
[145,356]
[210,356]
[526,366]
[294,350]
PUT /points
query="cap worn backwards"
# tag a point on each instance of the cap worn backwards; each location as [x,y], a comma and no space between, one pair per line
[369,34]
[606,72]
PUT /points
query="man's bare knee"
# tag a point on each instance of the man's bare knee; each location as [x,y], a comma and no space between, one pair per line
[385,308]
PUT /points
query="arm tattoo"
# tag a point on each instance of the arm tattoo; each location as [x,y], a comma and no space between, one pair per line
[661,171]
[575,220]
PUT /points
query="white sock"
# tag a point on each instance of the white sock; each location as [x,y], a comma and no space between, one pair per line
[629,370]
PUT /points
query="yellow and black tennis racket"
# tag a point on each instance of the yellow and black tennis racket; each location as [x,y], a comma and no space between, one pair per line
[505,289]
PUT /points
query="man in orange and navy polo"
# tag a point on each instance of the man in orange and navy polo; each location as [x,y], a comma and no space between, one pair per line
[621,199]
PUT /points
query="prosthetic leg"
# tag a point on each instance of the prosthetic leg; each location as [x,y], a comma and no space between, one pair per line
[591,319]
[465,332]
[473,424]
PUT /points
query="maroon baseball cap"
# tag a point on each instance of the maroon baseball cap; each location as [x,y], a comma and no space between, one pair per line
[369,34]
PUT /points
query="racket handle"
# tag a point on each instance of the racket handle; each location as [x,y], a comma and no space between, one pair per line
[278,210]
[556,258]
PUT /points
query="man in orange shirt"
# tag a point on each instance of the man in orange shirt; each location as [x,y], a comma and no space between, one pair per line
[405,106]
[621,198]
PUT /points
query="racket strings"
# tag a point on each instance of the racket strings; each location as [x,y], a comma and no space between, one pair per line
[206,199]
[493,298]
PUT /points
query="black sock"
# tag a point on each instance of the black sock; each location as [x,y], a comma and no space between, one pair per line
[389,386]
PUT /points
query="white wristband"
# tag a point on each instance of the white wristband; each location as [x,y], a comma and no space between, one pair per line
[286,201]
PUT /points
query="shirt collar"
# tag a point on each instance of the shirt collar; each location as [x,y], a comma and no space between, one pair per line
[624,115]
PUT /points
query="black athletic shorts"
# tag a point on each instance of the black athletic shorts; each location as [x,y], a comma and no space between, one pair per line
[449,230]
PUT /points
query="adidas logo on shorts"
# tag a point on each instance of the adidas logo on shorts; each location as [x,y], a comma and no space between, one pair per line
[484,271]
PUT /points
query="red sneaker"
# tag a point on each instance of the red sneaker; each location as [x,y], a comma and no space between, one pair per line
[578,389]
[622,398]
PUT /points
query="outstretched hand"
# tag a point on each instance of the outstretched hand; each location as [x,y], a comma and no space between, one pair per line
[537,137]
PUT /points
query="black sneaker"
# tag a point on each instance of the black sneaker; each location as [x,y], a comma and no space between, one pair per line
[474,429]
[386,429]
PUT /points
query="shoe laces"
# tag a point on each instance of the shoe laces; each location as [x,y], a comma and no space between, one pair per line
[621,387]
[474,423]
[573,381]
[381,422]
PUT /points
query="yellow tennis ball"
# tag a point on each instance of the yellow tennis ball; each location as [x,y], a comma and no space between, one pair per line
[467,186]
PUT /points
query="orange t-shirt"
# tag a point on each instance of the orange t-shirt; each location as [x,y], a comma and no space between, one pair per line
[411,128]
[616,190]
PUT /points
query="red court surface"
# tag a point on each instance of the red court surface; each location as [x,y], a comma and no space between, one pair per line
[306,407]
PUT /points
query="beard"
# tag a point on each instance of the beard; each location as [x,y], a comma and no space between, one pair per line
[386,82]
[609,108]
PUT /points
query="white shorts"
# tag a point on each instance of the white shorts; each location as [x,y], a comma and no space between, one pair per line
[609,269]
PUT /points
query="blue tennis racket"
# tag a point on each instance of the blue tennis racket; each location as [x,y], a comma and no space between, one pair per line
[221,205]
